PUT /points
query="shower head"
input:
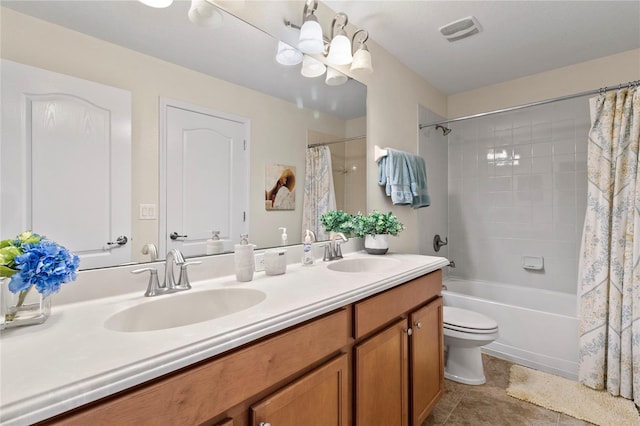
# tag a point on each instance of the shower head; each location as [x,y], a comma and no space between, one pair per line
[445,130]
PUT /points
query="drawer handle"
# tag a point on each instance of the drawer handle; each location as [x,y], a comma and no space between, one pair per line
[408,331]
[264,424]
[418,324]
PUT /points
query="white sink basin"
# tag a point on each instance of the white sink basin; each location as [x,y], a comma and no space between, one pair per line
[364,264]
[185,308]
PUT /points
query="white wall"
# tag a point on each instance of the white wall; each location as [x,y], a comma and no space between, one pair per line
[500,213]
[434,220]
[517,187]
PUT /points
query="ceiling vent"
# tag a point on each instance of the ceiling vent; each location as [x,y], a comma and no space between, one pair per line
[462,28]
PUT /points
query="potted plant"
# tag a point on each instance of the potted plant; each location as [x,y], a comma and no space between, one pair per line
[376,228]
[336,221]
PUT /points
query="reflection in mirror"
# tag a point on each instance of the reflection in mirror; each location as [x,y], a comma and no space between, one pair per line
[230,68]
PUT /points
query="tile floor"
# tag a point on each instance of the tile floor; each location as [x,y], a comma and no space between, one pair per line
[490,405]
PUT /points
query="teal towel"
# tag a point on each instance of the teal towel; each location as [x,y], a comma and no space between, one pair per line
[418,173]
[393,173]
[404,177]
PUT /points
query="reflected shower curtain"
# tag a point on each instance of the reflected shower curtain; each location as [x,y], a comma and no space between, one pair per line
[319,194]
[609,279]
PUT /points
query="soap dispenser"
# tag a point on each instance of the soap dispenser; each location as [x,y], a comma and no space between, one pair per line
[284,236]
[307,252]
[214,244]
[244,259]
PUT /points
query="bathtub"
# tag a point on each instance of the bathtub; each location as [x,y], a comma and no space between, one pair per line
[538,328]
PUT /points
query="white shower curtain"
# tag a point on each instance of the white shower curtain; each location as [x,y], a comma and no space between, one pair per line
[609,286]
[319,194]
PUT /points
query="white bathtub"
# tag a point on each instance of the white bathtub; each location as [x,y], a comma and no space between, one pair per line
[538,328]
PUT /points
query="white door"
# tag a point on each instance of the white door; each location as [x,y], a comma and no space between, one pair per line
[206,182]
[65,167]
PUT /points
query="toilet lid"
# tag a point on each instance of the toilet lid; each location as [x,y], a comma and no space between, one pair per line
[459,318]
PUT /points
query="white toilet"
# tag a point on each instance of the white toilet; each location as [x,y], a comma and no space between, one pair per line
[464,333]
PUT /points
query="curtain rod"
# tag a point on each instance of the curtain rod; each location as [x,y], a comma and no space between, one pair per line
[532,104]
[355,138]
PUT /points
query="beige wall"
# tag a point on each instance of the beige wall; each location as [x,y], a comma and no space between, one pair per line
[38,43]
[578,78]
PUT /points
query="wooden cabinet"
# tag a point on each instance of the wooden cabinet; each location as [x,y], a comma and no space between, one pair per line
[426,360]
[321,398]
[381,378]
[399,370]
[378,361]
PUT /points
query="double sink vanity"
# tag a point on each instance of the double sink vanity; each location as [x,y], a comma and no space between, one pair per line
[352,341]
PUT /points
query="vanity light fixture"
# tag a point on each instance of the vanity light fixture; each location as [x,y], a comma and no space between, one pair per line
[159,4]
[311,67]
[311,40]
[362,56]
[340,46]
[288,55]
[338,51]
[204,14]
[335,77]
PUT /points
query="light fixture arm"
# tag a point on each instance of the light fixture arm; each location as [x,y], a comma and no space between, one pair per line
[336,21]
[365,36]
[310,7]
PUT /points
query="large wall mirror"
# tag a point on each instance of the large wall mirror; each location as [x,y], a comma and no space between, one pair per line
[160,54]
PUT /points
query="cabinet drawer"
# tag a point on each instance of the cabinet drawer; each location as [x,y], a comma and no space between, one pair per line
[378,310]
[197,394]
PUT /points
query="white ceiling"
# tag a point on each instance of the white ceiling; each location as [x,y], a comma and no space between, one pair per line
[518,38]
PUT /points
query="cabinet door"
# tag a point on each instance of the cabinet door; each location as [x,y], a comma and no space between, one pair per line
[427,360]
[321,398]
[382,378]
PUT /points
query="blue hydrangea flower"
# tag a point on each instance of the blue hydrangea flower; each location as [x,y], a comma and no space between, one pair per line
[45,265]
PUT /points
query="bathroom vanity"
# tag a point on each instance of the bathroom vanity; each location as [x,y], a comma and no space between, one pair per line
[339,343]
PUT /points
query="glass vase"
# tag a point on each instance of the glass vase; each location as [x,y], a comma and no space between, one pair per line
[27,307]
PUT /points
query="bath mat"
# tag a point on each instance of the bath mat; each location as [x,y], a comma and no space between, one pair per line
[571,398]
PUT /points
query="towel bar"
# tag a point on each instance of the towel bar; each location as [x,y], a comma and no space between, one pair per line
[378,153]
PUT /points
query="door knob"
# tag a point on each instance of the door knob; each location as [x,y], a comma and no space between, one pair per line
[408,331]
[418,324]
[120,241]
[174,236]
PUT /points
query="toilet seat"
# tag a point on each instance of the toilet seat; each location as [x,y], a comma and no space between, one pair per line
[465,321]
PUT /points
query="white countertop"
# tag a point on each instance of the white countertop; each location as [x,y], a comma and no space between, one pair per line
[72,359]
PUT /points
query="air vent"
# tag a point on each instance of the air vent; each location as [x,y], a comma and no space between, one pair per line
[462,28]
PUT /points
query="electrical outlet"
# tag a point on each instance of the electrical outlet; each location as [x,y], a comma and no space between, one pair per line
[259,262]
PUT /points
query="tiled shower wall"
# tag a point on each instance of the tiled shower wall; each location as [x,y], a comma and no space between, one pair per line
[517,187]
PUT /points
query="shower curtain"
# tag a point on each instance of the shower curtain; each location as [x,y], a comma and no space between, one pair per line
[609,287]
[319,194]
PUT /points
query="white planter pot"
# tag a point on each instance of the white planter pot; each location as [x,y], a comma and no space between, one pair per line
[376,244]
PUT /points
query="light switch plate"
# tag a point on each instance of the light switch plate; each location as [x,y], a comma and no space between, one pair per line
[148,212]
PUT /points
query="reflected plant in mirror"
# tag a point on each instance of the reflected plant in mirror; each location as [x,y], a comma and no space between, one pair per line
[337,221]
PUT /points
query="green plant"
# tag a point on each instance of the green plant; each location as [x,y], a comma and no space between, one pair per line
[375,223]
[336,221]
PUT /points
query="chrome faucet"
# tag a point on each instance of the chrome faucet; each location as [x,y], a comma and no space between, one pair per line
[174,258]
[332,249]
